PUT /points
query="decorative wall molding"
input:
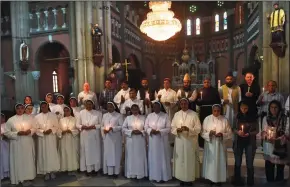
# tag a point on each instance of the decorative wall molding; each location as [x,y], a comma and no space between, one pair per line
[253,35]
[253,24]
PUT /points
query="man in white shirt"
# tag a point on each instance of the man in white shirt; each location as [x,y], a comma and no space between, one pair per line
[87,94]
[122,95]
[126,107]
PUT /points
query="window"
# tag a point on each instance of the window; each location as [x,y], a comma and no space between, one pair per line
[54,81]
[217,23]
[188,27]
[240,14]
[225,21]
[197,26]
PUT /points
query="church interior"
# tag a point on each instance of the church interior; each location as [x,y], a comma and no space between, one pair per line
[56,47]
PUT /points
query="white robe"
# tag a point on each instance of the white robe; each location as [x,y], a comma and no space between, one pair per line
[22,150]
[68,144]
[4,155]
[186,163]
[191,98]
[124,93]
[135,153]
[159,157]
[76,111]
[287,104]
[215,150]
[90,95]
[58,108]
[168,96]
[129,103]
[112,143]
[47,154]
[148,110]
[90,141]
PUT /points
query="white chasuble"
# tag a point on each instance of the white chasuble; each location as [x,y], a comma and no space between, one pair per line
[58,110]
[186,163]
[118,96]
[215,150]
[170,97]
[129,103]
[159,157]
[90,140]
[68,144]
[112,143]
[47,154]
[135,153]
[22,150]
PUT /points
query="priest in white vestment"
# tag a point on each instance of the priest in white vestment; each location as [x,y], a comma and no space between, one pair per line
[19,130]
[157,126]
[89,123]
[122,95]
[69,142]
[47,154]
[73,103]
[216,130]
[186,127]
[135,153]
[168,98]
[58,108]
[87,94]
[112,138]
[4,154]
[126,107]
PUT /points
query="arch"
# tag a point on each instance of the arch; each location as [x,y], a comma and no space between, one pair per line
[116,55]
[53,57]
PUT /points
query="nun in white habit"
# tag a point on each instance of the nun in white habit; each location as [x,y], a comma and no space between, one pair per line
[157,126]
[73,103]
[216,131]
[112,137]
[89,123]
[47,154]
[19,130]
[58,108]
[4,154]
[135,153]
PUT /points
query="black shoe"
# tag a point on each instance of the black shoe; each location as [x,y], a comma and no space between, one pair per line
[250,183]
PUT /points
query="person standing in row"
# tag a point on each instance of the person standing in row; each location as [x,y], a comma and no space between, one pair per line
[73,103]
[146,95]
[112,137]
[89,123]
[126,107]
[157,126]
[47,154]
[69,142]
[19,130]
[136,156]
[87,94]
[58,108]
[107,95]
[49,100]
[186,127]
[122,95]
[28,101]
[216,130]
[4,154]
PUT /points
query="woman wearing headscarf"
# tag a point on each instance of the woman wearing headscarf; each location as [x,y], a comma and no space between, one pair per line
[157,126]
[73,103]
[58,108]
[69,142]
[276,136]
[49,100]
[28,109]
[135,153]
[216,130]
[47,154]
[19,130]
[112,137]
[28,101]
[4,154]
[89,123]
[245,130]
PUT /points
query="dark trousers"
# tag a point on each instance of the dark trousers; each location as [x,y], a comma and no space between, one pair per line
[270,171]
[204,112]
[250,151]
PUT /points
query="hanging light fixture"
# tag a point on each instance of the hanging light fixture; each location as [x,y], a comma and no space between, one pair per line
[160,24]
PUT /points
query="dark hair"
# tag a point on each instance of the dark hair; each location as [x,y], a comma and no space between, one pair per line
[125,82]
[144,79]
[29,98]
[71,110]
[162,109]
[3,116]
[43,103]
[108,80]
[135,105]
[94,107]
[133,90]
[276,103]
[115,106]
[245,117]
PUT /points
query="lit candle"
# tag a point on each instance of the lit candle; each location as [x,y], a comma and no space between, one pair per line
[248,89]
[201,95]
[22,127]
[263,89]
[242,128]
[219,83]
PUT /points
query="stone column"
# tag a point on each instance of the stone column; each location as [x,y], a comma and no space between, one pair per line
[55,18]
[108,39]
[46,20]
[38,21]
[88,45]
[64,17]
[24,84]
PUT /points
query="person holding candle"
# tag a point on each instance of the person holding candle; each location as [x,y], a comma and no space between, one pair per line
[19,130]
[112,138]
[250,91]
[69,142]
[28,109]
[216,130]
[47,154]
[126,107]
[157,126]
[4,154]
[122,95]
[135,153]
[73,103]
[245,130]
[186,127]
[107,94]
[28,101]
[207,97]
[89,123]
[276,136]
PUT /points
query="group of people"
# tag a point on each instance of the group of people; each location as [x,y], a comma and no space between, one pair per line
[89,133]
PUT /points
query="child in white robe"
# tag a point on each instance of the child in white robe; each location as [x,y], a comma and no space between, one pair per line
[69,142]
[4,158]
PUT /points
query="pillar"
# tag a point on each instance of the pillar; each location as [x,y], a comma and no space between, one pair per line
[108,40]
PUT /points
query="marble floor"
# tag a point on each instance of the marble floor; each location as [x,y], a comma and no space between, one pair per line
[81,179]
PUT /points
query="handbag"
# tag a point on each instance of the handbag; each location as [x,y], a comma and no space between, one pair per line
[280,150]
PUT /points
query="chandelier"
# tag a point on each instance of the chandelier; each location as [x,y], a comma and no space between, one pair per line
[160,24]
